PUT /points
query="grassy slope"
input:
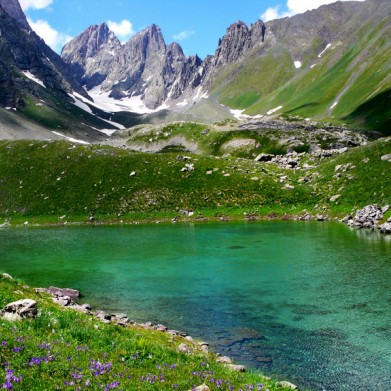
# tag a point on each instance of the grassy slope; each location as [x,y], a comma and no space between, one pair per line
[57,178]
[43,181]
[55,352]
[352,73]
[366,183]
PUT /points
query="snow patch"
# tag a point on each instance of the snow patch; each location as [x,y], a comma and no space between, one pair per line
[323,52]
[334,105]
[35,79]
[238,114]
[133,104]
[80,104]
[182,104]
[272,111]
[73,140]
[298,64]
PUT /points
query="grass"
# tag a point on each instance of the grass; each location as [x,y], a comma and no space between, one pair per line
[353,73]
[65,350]
[57,182]
[210,140]
[57,178]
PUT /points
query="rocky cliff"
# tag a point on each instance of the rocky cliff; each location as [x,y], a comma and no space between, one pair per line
[144,67]
[27,64]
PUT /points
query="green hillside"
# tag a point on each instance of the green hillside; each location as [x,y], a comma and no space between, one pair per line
[57,182]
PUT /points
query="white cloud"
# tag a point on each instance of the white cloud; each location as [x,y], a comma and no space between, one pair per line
[36,4]
[294,7]
[183,35]
[55,39]
[122,29]
[270,14]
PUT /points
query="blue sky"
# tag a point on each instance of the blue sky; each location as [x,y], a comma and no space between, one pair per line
[195,24]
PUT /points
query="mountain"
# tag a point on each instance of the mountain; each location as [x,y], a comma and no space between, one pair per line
[144,72]
[13,9]
[324,64]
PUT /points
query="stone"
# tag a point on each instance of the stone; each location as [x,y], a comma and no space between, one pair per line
[224,360]
[161,328]
[72,293]
[203,387]
[385,209]
[103,317]
[286,384]
[386,158]
[63,301]
[183,348]
[21,309]
[120,319]
[41,290]
[80,308]
[7,276]
[386,228]
[335,198]
[236,368]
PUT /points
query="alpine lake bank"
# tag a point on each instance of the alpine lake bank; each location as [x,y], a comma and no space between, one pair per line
[47,183]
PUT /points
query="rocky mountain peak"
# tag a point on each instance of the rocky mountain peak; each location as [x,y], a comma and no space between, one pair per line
[150,39]
[13,9]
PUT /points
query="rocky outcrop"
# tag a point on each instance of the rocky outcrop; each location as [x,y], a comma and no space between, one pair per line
[369,217]
[238,39]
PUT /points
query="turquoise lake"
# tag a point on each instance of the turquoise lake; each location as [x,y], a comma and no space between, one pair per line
[304,302]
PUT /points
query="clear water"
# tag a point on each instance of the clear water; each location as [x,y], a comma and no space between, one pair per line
[306,302]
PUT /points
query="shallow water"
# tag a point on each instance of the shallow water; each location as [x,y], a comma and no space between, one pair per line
[307,302]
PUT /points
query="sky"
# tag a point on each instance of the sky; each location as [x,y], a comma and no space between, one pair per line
[196,24]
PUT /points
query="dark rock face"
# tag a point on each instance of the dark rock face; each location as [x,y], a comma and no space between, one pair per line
[21,50]
[13,8]
[144,66]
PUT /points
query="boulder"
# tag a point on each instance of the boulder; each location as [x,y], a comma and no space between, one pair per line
[18,310]
[386,228]
[224,360]
[102,316]
[120,319]
[183,348]
[72,293]
[63,301]
[6,276]
[236,368]
[386,158]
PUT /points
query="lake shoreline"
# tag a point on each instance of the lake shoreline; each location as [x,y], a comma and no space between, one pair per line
[68,299]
